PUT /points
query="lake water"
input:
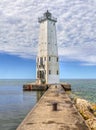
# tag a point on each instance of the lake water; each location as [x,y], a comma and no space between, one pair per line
[15,104]
[84,88]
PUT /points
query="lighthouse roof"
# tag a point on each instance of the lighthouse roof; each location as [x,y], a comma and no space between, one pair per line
[47,16]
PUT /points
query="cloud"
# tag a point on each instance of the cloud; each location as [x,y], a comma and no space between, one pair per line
[76,28]
[86,55]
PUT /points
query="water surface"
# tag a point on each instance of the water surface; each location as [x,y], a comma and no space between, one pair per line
[15,104]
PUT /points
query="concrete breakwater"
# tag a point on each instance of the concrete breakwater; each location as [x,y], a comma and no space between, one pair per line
[54,111]
[43,87]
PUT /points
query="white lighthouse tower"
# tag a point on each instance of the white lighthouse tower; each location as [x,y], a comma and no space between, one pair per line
[47,58]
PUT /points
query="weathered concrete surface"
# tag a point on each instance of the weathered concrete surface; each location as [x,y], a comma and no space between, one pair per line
[35,87]
[43,87]
[42,117]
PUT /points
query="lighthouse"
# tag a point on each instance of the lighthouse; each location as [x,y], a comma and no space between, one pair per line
[47,62]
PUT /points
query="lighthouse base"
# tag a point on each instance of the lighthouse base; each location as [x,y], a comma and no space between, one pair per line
[44,87]
[53,79]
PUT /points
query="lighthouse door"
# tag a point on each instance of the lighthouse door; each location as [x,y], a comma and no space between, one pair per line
[42,76]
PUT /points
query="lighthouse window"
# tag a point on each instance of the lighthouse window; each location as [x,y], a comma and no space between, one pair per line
[57,72]
[45,58]
[57,59]
[49,71]
[41,60]
[49,58]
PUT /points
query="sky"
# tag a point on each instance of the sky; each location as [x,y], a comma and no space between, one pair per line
[76,37]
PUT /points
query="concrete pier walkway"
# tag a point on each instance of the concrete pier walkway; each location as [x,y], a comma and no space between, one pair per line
[43,117]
